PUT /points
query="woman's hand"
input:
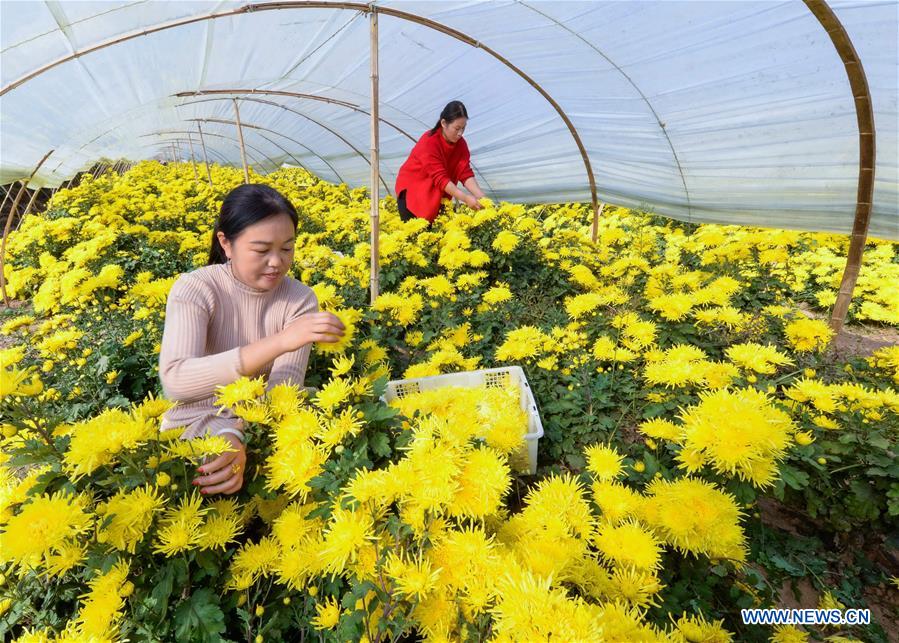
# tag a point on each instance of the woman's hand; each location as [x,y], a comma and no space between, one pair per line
[225,473]
[312,327]
[471,202]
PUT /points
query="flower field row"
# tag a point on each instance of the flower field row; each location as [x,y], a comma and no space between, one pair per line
[680,384]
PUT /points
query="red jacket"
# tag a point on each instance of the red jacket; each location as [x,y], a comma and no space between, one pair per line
[432,164]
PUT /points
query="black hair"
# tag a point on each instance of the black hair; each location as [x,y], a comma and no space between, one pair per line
[453,110]
[244,206]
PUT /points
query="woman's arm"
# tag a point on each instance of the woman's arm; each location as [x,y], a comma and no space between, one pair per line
[464,197]
[471,184]
[291,366]
[310,328]
[186,373]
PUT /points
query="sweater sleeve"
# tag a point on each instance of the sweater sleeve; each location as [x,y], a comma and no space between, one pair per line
[433,164]
[186,373]
[292,366]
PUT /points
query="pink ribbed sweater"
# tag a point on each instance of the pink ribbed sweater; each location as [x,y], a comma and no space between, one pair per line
[209,315]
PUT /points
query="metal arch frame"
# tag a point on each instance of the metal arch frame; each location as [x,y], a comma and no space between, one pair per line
[265,129]
[819,8]
[101,135]
[221,121]
[322,125]
[643,97]
[276,92]
[323,99]
[181,141]
[284,107]
[105,132]
[353,6]
[178,132]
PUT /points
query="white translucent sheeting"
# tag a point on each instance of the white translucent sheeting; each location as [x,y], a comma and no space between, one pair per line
[729,112]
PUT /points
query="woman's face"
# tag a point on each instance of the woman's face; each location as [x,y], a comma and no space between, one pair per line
[262,253]
[453,131]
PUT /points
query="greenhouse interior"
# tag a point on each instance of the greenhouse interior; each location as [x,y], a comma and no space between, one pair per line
[481,320]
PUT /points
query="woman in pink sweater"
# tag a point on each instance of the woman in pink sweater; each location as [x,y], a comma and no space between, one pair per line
[241,315]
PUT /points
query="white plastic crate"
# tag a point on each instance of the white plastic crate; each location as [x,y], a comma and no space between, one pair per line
[524,461]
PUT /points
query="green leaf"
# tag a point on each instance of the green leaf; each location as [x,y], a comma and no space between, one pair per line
[380,444]
[653,410]
[794,478]
[877,440]
[163,590]
[199,618]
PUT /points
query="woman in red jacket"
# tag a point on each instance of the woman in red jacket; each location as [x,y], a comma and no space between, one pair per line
[436,164]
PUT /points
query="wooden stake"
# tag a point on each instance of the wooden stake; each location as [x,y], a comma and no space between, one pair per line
[864,113]
[30,203]
[374,187]
[243,152]
[6,197]
[205,156]
[12,213]
[597,212]
[193,161]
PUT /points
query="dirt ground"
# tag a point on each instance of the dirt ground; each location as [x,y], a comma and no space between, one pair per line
[857,339]
[801,594]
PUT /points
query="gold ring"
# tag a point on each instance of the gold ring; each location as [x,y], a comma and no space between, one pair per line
[235,469]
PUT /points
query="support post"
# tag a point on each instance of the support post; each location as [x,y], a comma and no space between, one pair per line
[193,161]
[6,196]
[374,192]
[243,151]
[597,212]
[30,204]
[867,152]
[205,156]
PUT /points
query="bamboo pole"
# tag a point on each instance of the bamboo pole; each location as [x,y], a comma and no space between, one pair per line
[597,212]
[251,150]
[280,147]
[193,161]
[322,99]
[375,141]
[864,113]
[13,209]
[272,92]
[8,192]
[30,204]
[243,152]
[329,129]
[327,4]
[205,156]
[12,212]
